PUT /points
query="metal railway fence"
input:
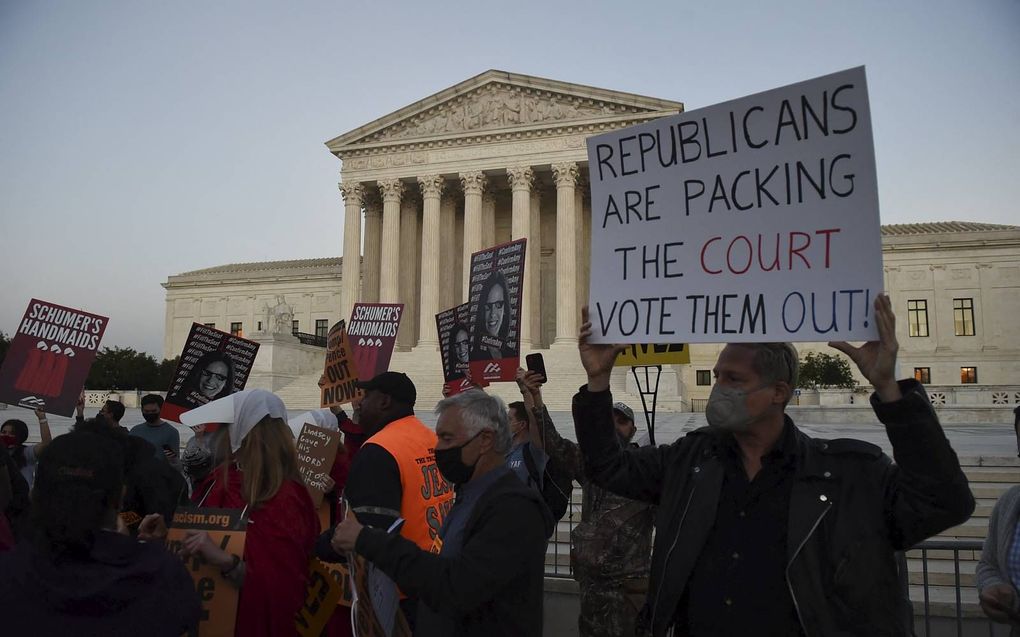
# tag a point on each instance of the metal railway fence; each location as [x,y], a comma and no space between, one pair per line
[932,612]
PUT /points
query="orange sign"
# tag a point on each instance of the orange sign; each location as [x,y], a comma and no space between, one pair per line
[341,372]
[219,596]
[326,589]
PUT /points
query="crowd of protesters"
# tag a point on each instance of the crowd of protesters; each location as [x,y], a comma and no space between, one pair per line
[759,529]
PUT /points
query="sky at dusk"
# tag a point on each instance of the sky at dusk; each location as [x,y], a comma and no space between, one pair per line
[144,139]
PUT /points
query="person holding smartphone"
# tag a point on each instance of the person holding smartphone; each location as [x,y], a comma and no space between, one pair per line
[157,432]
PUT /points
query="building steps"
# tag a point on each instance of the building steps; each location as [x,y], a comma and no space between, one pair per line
[424,368]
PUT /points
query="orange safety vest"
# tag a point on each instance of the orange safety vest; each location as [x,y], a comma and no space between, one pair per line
[426,496]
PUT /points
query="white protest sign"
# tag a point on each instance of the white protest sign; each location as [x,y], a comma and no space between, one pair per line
[751,220]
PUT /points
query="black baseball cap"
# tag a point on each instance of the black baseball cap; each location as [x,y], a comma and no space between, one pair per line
[396,385]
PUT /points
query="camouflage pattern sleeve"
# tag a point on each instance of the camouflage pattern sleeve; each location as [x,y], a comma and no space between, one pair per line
[565,451]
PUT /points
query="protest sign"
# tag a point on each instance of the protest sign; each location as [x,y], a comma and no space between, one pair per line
[341,372]
[49,357]
[213,364]
[494,298]
[372,334]
[454,387]
[751,220]
[453,328]
[316,450]
[321,599]
[663,354]
[376,601]
[227,528]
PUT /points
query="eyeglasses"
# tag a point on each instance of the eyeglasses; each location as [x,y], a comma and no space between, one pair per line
[207,374]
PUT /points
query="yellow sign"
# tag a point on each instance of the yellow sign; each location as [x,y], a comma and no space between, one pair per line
[324,592]
[219,596]
[667,354]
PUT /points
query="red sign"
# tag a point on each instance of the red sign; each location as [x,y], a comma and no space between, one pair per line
[213,364]
[496,290]
[372,333]
[50,356]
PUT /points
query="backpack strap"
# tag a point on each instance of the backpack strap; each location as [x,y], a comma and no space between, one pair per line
[534,478]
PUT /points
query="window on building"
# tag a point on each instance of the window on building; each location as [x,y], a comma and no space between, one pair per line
[704,377]
[295,326]
[917,317]
[259,328]
[922,375]
[236,329]
[321,327]
[212,325]
[963,316]
[968,375]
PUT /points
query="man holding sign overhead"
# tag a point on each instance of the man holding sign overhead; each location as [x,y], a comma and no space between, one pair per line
[763,529]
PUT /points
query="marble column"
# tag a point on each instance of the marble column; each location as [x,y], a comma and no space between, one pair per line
[409,207]
[521,178]
[451,243]
[428,307]
[535,250]
[473,184]
[350,273]
[583,241]
[389,263]
[373,243]
[566,174]
[488,218]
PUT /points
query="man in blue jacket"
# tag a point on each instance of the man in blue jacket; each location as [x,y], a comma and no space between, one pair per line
[763,530]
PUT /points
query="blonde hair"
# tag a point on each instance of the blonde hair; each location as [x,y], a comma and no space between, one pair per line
[267,457]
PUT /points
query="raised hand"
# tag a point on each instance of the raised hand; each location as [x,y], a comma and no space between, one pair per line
[596,358]
[877,359]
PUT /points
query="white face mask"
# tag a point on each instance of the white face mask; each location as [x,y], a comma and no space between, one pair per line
[727,408]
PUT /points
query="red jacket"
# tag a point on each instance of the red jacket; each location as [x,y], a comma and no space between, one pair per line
[279,543]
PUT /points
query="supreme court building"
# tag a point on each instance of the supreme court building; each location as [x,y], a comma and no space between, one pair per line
[502,156]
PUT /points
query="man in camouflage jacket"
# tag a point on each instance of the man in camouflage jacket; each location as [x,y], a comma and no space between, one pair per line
[611,547]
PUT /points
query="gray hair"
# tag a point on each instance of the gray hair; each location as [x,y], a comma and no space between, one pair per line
[775,362]
[480,411]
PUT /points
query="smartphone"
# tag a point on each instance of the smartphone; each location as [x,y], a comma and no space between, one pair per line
[536,363]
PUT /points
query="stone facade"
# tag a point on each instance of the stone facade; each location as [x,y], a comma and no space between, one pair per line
[497,157]
[940,264]
[240,293]
[502,156]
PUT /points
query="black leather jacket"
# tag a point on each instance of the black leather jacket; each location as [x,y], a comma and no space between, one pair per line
[851,508]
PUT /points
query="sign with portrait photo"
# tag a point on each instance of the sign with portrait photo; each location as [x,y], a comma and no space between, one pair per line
[454,329]
[494,299]
[49,357]
[213,364]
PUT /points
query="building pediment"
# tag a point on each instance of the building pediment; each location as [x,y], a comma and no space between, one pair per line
[496,102]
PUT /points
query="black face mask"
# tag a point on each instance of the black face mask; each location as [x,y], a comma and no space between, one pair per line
[151,418]
[451,463]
